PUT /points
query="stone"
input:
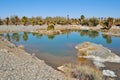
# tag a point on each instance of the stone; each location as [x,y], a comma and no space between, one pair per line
[21,47]
[96,52]
[98,64]
[109,73]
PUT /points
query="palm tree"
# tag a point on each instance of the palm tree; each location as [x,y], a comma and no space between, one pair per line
[107,24]
[12,20]
[16,20]
[110,22]
[33,21]
[7,20]
[82,18]
[40,22]
[1,22]
[24,20]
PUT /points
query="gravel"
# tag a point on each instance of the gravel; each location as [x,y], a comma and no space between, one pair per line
[16,64]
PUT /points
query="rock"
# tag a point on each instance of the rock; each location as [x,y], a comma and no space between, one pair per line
[98,64]
[96,52]
[109,73]
[21,47]
[114,31]
[17,64]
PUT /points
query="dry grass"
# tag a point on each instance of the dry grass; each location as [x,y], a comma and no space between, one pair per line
[82,72]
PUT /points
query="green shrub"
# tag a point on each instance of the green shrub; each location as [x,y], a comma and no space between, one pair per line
[50,27]
[93,22]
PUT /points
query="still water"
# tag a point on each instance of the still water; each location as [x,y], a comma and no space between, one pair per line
[59,49]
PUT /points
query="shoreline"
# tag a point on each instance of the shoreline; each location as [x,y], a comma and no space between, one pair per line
[17,64]
[114,31]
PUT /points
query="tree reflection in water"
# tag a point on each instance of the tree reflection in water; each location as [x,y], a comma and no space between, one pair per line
[51,37]
[37,35]
[25,36]
[8,37]
[15,37]
[91,34]
[108,38]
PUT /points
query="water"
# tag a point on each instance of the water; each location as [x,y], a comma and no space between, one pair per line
[59,49]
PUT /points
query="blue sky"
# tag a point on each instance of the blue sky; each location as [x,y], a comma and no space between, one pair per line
[73,8]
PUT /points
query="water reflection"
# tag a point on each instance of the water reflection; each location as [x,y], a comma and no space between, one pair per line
[51,37]
[39,36]
[25,35]
[108,38]
[7,37]
[91,34]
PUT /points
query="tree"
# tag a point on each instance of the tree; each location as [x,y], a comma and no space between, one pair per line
[117,22]
[82,20]
[1,22]
[39,20]
[107,24]
[82,17]
[7,20]
[24,20]
[16,20]
[33,21]
[93,22]
[12,20]
[110,22]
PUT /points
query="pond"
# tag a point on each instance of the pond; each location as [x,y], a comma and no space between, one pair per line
[59,49]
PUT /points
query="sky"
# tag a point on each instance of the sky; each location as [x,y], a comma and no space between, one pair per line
[73,8]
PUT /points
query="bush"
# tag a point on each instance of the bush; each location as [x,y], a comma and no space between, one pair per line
[93,22]
[82,72]
[50,27]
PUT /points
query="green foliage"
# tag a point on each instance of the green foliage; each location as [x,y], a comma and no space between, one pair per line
[24,20]
[108,38]
[1,22]
[82,17]
[50,27]
[93,22]
[117,22]
[14,20]
[33,21]
[105,22]
[40,22]
[7,20]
